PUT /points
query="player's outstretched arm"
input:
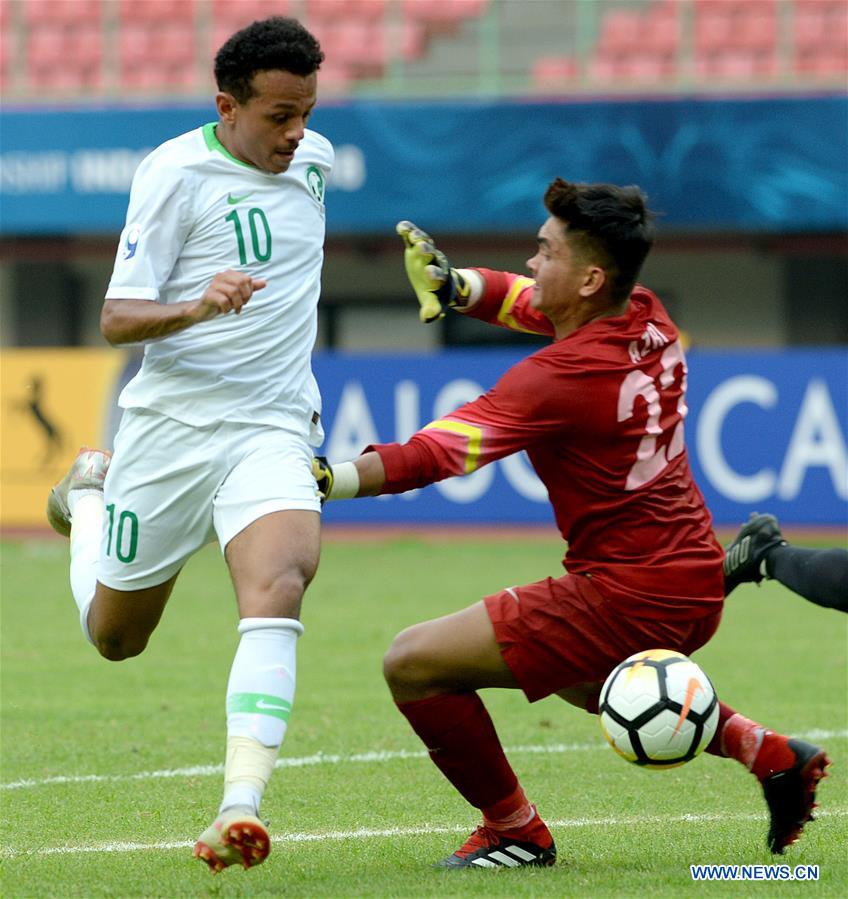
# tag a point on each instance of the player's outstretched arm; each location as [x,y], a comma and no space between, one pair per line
[363,476]
[437,286]
[134,321]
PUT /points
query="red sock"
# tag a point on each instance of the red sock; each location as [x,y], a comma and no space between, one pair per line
[761,751]
[463,744]
[511,813]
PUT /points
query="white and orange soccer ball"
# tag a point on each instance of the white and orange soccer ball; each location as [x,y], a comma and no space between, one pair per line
[658,709]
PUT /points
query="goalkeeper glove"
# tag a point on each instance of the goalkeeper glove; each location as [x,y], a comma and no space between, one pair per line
[435,283]
[322,471]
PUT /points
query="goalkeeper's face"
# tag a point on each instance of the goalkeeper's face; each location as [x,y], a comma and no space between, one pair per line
[557,270]
[265,130]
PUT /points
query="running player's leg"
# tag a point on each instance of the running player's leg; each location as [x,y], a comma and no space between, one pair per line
[268,518]
[118,623]
[156,511]
[433,671]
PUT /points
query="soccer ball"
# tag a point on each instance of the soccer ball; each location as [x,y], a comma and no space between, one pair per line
[658,709]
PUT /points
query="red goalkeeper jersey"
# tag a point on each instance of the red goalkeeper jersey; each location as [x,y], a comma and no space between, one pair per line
[600,413]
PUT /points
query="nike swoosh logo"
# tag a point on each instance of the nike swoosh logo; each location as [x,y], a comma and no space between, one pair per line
[233,200]
[691,689]
[261,704]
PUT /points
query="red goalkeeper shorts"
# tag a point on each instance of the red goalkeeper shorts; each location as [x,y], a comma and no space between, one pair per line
[563,632]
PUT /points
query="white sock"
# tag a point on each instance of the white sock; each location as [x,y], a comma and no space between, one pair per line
[86,525]
[260,694]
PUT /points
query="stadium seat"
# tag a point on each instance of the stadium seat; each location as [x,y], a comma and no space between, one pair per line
[345,10]
[553,72]
[662,29]
[445,15]
[359,46]
[235,14]
[736,65]
[619,31]
[637,45]
[171,43]
[820,26]
[5,47]
[157,11]
[822,61]
[720,25]
[58,12]
[159,78]
[407,40]
[157,56]
[64,58]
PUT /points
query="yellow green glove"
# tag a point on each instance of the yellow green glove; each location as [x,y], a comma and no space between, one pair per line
[436,284]
[322,471]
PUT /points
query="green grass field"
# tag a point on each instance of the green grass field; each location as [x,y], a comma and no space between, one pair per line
[110,771]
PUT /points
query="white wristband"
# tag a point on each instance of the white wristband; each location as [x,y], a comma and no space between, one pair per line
[345,481]
[476,285]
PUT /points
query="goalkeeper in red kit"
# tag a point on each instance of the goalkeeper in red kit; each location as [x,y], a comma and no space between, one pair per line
[599,412]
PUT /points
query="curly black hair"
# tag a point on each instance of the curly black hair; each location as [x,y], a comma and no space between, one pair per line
[274,43]
[611,225]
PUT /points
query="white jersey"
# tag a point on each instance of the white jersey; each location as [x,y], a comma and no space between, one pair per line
[195,210]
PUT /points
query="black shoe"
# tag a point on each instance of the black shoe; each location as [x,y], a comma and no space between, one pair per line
[487,848]
[744,559]
[791,794]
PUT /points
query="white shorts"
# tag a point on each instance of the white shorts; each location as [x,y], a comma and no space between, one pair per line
[172,488]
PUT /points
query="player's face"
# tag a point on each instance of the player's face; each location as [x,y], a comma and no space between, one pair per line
[557,273]
[266,130]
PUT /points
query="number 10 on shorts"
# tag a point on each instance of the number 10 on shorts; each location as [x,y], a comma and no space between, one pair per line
[126,535]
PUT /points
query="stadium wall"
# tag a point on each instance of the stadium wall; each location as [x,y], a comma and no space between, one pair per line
[766,430]
[767,165]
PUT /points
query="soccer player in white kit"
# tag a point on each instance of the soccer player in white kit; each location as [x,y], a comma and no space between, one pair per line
[218,274]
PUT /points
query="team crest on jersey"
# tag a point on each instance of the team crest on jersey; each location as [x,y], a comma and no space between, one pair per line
[133,232]
[315,182]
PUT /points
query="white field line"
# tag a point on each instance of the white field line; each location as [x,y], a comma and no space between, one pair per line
[364,833]
[320,758]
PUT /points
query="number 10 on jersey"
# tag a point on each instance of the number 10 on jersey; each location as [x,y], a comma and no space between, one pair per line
[260,234]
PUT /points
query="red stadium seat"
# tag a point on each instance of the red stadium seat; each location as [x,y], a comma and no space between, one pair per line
[408,37]
[57,12]
[820,26]
[5,45]
[157,11]
[169,43]
[822,61]
[444,15]
[646,67]
[64,58]
[345,10]
[235,14]
[638,45]
[736,65]
[720,25]
[357,46]
[620,30]
[662,29]
[159,56]
[551,72]
[156,78]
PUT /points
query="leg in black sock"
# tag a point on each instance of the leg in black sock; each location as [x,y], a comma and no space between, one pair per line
[819,575]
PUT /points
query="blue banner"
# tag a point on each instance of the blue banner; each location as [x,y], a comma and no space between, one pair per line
[766,431]
[769,165]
